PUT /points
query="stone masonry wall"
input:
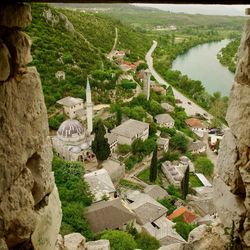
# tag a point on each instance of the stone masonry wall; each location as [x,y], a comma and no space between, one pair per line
[30,211]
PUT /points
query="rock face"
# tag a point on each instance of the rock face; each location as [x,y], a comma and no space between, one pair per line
[232,181]
[30,213]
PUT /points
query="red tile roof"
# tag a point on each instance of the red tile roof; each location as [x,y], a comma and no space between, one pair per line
[188,216]
[193,122]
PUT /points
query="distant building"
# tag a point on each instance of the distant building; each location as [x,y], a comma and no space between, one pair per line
[197,147]
[197,126]
[146,83]
[112,141]
[100,184]
[163,230]
[174,172]
[188,216]
[156,192]
[131,130]
[119,54]
[162,143]
[184,160]
[115,169]
[73,142]
[71,105]
[145,207]
[60,75]
[111,214]
[168,108]
[165,120]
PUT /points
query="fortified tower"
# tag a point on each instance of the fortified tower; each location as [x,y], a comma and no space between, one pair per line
[89,108]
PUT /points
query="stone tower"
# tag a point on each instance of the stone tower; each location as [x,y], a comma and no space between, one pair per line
[89,107]
[146,83]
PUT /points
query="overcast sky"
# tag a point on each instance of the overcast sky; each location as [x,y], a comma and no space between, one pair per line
[231,10]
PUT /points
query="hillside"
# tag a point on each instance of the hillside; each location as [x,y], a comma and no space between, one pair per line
[76,43]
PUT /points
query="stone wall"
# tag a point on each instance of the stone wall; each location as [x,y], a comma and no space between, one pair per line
[30,212]
[232,180]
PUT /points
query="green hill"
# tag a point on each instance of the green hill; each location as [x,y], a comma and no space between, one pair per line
[78,50]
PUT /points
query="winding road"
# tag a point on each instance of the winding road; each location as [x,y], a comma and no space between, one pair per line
[190,107]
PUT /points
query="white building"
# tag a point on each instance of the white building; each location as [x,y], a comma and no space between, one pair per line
[71,106]
[100,184]
[197,126]
[112,141]
[165,120]
[72,142]
[162,144]
[184,160]
[89,108]
[131,130]
[174,172]
[197,147]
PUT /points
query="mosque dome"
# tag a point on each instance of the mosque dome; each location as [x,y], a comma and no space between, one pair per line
[70,129]
[75,149]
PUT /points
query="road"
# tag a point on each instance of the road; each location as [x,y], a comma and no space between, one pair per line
[112,52]
[190,107]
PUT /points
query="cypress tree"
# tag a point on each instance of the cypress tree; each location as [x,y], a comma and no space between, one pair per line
[118,115]
[100,144]
[185,183]
[153,166]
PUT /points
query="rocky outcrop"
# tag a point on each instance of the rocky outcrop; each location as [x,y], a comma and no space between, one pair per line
[30,213]
[232,180]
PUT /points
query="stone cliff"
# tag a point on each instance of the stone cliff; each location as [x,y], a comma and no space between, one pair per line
[30,211]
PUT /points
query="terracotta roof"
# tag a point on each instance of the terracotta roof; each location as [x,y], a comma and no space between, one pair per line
[188,216]
[108,215]
[194,123]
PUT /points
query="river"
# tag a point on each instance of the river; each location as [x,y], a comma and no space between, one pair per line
[201,63]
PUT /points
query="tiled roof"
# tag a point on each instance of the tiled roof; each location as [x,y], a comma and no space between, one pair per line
[164,118]
[194,123]
[69,101]
[188,216]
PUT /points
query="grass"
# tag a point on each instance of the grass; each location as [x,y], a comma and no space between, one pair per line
[144,176]
[129,184]
[194,181]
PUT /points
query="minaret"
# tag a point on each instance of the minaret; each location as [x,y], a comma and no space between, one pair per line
[89,107]
[146,83]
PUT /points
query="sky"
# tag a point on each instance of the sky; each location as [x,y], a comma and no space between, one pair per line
[231,10]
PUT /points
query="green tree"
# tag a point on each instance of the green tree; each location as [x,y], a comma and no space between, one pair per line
[123,148]
[118,116]
[204,165]
[147,242]
[153,166]
[179,142]
[100,144]
[185,183]
[137,146]
[119,240]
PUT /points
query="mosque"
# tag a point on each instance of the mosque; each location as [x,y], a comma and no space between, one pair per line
[73,141]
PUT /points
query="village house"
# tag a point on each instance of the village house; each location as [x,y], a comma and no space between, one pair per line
[167,107]
[156,192]
[119,54]
[131,130]
[197,147]
[174,172]
[105,215]
[202,201]
[100,184]
[112,141]
[72,106]
[165,120]
[145,207]
[184,160]
[197,126]
[115,169]
[163,230]
[188,216]
[162,143]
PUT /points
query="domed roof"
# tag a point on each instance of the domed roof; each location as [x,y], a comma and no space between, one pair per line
[70,128]
[75,149]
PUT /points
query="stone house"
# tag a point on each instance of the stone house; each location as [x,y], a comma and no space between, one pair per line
[100,185]
[197,147]
[113,214]
[131,130]
[162,143]
[197,126]
[167,107]
[156,192]
[112,141]
[165,120]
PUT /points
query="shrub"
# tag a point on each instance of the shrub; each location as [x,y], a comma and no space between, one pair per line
[119,240]
[147,242]
[204,166]
[179,142]
[123,148]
